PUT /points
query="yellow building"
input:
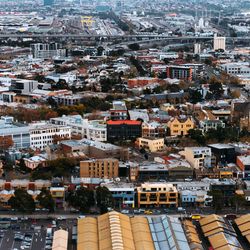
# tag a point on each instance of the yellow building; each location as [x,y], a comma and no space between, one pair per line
[157,194]
[99,168]
[180,127]
[151,144]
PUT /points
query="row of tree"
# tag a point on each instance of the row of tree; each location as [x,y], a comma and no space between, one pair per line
[216,135]
[220,201]
[23,202]
[83,199]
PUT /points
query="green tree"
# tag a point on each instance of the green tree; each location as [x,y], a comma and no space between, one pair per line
[134,46]
[195,96]
[22,166]
[104,199]
[22,201]
[197,135]
[82,199]
[237,201]
[208,61]
[100,50]
[46,200]
[215,87]
[218,199]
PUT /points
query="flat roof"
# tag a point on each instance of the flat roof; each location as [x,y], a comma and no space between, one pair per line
[220,146]
[126,122]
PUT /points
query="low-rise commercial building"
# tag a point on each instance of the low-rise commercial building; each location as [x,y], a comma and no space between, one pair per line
[58,194]
[157,194]
[123,194]
[194,198]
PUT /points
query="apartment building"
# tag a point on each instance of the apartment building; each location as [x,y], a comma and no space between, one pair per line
[180,127]
[179,72]
[123,130]
[151,144]
[219,42]
[99,168]
[157,194]
[43,134]
[47,50]
[205,125]
[198,69]
[199,157]
[153,129]
[118,111]
[93,130]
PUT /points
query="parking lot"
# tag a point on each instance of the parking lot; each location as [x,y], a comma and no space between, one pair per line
[22,239]
[31,234]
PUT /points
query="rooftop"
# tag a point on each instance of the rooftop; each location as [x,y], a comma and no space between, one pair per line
[126,122]
[220,146]
[118,231]
[245,159]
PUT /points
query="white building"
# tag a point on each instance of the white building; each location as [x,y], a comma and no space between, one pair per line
[198,157]
[236,68]
[42,134]
[46,50]
[94,130]
[219,42]
[205,125]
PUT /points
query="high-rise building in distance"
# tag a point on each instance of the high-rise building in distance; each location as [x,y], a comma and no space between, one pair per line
[219,42]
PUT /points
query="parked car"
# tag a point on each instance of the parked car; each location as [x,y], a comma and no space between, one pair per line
[125,211]
[148,212]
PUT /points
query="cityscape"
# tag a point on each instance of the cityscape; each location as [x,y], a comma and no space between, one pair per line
[124,125]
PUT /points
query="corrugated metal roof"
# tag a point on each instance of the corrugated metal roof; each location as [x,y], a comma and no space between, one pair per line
[60,240]
[221,235]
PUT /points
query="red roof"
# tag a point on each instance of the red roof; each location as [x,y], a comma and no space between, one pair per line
[127,122]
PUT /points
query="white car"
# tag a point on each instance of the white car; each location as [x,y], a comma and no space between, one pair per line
[125,211]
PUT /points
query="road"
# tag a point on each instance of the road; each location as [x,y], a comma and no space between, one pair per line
[138,36]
